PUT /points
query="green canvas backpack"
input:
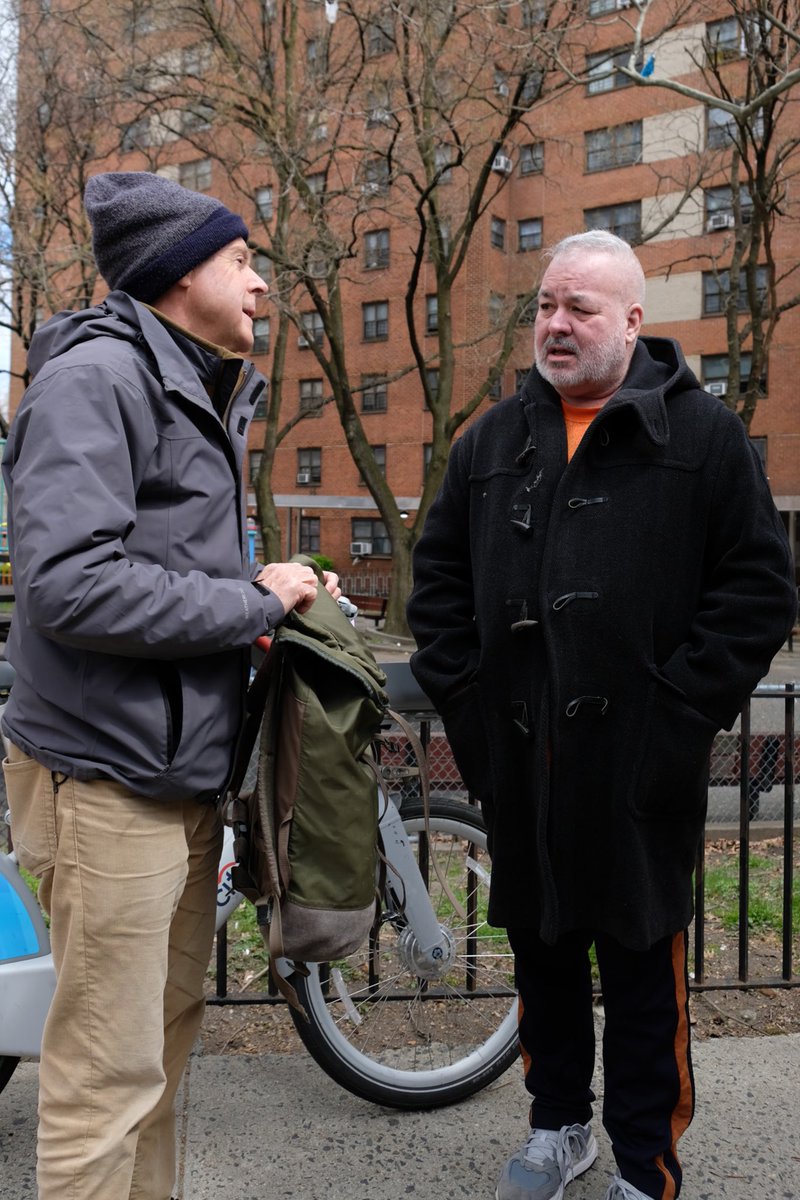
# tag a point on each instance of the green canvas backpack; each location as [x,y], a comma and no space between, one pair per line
[306,838]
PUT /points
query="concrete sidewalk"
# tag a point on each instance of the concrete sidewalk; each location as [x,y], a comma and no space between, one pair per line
[274,1127]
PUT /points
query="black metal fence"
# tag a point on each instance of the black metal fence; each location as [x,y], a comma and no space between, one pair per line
[754,770]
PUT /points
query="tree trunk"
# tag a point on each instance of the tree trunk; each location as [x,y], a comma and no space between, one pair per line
[396,623]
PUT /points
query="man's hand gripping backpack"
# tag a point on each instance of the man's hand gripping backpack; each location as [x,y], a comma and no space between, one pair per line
[306,839]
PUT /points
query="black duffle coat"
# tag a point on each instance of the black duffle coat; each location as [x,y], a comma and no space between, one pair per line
[586,627]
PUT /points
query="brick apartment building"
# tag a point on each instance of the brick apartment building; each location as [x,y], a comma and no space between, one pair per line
[607,155]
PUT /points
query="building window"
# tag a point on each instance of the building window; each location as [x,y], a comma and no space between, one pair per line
[534,13]
[617,146]
[724,40]
[527,315]
[496,388]
[597,8]
[759,444]
[714,370]
[374,393]
[603,73]
[309,535]
[316,56]
[261,335]
[311,396]
[427,455]
[264,203]
[196,119]
[379,36]
[379,454]
[531,86]
[379,110]
[376,249]
[376,177]
[722,130]
[375,321]
[431,314]
[443,162]
[312,330]
[529,234]
[254,458]
[719,207]
[195,175]
[432,377]
[625,220]
[496,305]
[316,183]
[520,375]
[498,233]
[136,136]
[531,158]
[309,466]
[373,533]
[716,286]
[262,265]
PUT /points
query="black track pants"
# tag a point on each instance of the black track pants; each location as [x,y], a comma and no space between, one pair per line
[648,1082]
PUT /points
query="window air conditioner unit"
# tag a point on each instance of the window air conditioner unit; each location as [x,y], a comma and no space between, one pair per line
[303,342]
[719,220]
[718,388]
[502,164]
[304,478]
[359,549]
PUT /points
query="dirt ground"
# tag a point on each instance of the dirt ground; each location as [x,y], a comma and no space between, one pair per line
[758,1011]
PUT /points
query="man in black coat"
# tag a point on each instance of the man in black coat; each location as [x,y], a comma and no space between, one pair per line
[601,581]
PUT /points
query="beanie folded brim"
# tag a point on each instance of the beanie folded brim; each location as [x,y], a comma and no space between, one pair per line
[159,274]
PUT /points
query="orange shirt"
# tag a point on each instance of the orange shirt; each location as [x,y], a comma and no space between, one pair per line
[577,419]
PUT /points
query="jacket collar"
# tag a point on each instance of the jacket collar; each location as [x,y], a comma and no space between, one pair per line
[657,371]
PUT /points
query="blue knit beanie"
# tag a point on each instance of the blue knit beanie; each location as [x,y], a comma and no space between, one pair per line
[149,232]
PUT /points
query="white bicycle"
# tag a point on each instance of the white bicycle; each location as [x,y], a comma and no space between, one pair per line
[425,1015]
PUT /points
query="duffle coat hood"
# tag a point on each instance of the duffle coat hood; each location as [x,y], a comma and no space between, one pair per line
[586,627]
[134,611]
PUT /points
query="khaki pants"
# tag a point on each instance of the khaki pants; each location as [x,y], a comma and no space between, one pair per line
[130,885]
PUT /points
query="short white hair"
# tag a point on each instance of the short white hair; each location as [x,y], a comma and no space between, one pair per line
[600,241]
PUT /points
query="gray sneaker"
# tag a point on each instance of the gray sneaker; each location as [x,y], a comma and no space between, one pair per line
[620,1189]
[548,1161]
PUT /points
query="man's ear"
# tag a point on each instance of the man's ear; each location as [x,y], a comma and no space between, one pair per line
[634,322]
[185,281]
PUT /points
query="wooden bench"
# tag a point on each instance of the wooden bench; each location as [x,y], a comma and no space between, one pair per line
[370,606]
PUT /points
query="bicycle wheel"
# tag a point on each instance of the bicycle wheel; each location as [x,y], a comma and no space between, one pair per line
[8,1066]
[393,1038]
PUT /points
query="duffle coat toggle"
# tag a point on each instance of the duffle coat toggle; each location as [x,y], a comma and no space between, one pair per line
[598,702]
[522,517]
[568,597]
[523,621]
[582,501]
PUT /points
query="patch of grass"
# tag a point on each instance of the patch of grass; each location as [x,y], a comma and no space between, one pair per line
[765,899]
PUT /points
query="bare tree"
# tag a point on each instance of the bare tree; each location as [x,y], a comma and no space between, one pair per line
[50,117]
[745,70]
[355,137]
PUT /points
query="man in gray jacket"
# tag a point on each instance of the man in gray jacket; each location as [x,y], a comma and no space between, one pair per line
[136,610]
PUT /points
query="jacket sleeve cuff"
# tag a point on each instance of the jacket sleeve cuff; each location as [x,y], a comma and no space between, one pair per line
[273,608]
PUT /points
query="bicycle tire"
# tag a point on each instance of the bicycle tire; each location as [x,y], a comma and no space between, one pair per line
[8,1066]
[443,1040]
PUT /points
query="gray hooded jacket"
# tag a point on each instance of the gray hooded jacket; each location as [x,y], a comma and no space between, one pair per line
[134,608]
